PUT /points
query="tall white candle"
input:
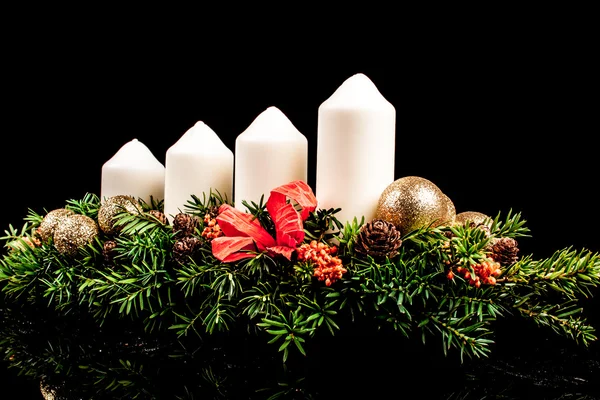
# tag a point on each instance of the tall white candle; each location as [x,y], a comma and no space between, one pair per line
[133,171]
[198,163]
[269,153]
[355,149]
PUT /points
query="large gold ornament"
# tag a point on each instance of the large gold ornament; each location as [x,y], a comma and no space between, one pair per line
[450,211]
[113,206]
[73,232]
[413,202]
[474,217]
[51,221]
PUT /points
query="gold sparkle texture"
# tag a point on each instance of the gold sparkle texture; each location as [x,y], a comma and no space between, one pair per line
[113,206]
[472,216]
[413,202]
[51,221]
[450,211]
[73,232]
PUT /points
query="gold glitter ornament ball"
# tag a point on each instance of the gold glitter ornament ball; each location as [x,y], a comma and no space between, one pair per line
[472,216]
[113,206]
[74,232]
[413,202]
[450,212]
[51,221]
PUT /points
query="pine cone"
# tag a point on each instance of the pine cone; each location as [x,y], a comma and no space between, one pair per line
[108,250]
[159,215]
[505,251]
[186,248]
[185,225]
[378,239]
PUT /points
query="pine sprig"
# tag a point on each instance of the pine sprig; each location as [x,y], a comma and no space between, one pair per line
[210,201]
[511,226]
[564,319]
[287,329]
[568,271]
[259,211]
[88,205]
[322,225]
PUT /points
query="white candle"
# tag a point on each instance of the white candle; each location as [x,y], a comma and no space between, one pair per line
[133,171]
[269,153]
[355,149]
[198,163]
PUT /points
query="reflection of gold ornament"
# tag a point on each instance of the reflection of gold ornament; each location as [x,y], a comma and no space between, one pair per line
[474,217]
[51,221]
[74,232]
[115,205]
[413,202]
[48,392]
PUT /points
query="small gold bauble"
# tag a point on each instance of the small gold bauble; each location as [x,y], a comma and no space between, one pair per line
[51,221]
[472,216]
[413,202]
[74,232]
[113,206]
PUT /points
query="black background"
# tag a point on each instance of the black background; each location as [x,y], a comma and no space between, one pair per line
[501,122]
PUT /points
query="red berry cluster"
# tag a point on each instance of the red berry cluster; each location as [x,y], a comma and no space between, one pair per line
[328,267]
[485,273]
[211,229]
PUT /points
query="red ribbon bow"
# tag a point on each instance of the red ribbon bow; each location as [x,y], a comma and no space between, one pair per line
[244,234]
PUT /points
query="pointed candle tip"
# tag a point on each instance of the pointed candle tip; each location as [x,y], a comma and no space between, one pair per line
[357,91]
[273,109]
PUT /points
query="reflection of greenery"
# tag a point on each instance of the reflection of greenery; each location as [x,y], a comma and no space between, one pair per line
[113,325]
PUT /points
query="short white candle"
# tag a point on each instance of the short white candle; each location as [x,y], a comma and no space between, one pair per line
[269,153]
[133,171]
[197,164]
[355,149]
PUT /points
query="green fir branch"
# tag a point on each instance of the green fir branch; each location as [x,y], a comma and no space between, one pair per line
[564,319]
[287,329]
[512,226]
[88,205]
[568,272]
[322,225]
[210,201]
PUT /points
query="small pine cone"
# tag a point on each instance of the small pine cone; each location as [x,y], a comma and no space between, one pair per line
[186,248]
[378,239]
[185,225]
[504,251]
[448,234]
[159,215]
[211,213]
[108,250]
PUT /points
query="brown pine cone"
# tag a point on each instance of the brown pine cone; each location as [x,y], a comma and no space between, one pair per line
[185,225]
[159,215]
[108,250]
[378,239]
[186,248]
[505,251]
